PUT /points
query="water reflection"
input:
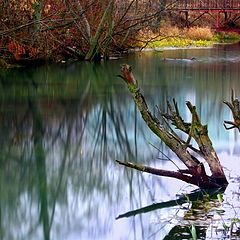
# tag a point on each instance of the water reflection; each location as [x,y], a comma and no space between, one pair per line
[198,213]
[62,127]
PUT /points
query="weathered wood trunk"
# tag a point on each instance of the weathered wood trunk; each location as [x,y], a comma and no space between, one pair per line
[195,172]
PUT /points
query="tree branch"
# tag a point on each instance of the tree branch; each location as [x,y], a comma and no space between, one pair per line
[234,106]
[199,132]
[159,172]
[195,169]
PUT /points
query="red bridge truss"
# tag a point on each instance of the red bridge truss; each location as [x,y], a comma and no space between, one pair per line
[226,13]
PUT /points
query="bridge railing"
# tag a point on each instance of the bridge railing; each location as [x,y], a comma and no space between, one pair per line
[204,4]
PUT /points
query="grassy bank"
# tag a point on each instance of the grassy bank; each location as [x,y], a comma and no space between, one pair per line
[188,37]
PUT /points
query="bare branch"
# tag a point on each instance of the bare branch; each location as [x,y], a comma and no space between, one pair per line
[158,172]
[234,106]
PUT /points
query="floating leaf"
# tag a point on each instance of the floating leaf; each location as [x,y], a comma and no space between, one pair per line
[220,211]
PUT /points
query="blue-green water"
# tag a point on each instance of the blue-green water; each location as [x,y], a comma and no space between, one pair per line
[63,126]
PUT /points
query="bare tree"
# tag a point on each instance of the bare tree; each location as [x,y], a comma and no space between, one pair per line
[79,29]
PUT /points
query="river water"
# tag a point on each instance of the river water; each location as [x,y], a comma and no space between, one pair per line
[63,126]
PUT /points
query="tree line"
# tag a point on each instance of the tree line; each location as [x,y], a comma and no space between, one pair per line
[76,29]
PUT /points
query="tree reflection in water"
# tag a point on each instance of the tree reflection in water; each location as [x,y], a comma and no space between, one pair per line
[59,154]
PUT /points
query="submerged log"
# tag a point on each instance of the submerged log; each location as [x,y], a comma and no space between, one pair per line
[234,106]
[195,172]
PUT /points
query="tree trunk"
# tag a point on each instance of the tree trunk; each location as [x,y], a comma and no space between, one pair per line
[195,172]
[38,7]
[94,47]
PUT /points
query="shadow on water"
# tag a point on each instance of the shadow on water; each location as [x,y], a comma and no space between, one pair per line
[62,127]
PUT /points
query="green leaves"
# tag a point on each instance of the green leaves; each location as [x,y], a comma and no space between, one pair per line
[220,197]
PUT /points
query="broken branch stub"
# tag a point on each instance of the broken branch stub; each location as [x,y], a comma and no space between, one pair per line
[195,172]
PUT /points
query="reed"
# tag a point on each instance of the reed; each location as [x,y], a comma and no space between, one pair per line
[199,33]
[175,37]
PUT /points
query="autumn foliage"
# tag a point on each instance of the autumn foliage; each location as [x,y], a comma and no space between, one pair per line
[78,29]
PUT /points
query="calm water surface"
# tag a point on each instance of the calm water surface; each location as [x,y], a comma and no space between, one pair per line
[63,126]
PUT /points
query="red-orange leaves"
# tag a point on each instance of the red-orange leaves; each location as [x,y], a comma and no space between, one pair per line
[32,52]
[127,74]
[16,49]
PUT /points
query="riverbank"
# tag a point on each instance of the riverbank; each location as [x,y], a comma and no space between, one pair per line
[188,37]
[166,37]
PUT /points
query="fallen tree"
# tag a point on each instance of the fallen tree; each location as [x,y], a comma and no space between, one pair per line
[195,171]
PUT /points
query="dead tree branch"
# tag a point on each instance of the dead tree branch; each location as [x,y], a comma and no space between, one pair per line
[195,172]
[235,109]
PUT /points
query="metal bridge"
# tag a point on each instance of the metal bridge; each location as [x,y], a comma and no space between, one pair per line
[225,12]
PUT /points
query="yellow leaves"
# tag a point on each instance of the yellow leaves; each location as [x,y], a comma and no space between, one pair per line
[24,5]
[47,8]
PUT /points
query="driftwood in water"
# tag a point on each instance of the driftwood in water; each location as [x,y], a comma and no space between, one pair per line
[235,108]
[195,171]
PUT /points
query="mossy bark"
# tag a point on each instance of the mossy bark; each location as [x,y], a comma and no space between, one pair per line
[195,172]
